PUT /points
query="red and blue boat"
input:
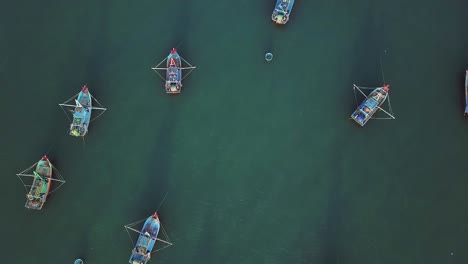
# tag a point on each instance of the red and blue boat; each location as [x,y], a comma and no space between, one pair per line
[173,72]
[141,254]
[370,105]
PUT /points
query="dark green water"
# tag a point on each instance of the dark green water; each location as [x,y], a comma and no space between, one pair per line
[259,161]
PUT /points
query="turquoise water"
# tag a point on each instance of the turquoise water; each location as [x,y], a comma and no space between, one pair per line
[253,162]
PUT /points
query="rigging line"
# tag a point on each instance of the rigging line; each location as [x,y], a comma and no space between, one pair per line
[158,74]
[24,185]
[162,202]
[32,166]
[157,65]
[97,101]
[57,173]
[65,113]
[61,184]
[187,62]
[136,223]
[167,245]
[187,74]
[84,143]
[50,148]
[180,43]
[390,105]
[71,98]
[355,97]
[100,114]
[129,235]
[381,70]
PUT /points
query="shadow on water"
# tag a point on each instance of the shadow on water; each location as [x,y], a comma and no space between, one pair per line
[180,28]
[369,54]
[156,184]
[329,233]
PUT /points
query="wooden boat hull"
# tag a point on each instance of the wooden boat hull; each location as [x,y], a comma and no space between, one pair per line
[141,254]
[466,92]
[282,11]
[40,188]
[173,73]
[82,115]
[370,105]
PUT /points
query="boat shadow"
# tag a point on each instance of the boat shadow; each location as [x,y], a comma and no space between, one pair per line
[329,233]
[156,184]
[368,59]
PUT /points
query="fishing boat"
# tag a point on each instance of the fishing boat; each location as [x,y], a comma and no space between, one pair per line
[147,238]
[41,183]
[370,105]
[466,92]
[81,112]
[173,72]
[282,11]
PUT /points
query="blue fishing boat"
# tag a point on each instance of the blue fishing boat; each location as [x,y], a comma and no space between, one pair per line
[81,112]
[466,92]
[370,105]
[141,254]
[173,72]
[282,11]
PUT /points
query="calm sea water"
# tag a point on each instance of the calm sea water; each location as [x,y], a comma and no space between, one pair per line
[258,162]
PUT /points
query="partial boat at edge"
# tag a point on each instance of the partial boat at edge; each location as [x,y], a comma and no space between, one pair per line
[282,11]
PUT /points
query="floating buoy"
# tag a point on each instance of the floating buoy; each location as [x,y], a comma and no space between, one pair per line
[78,261]
[268,56]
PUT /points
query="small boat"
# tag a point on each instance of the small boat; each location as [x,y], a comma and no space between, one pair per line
[82,113]
[370,105]
[78,261]
[173,72]
[466,92]
[282,11]
[41,183]
[82,110]
[37,195]
[148,235]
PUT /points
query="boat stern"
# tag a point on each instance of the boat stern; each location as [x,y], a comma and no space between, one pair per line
[360,118]
[466,110]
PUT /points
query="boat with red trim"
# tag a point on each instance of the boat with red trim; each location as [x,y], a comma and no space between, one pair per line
[370,105]
[173,70]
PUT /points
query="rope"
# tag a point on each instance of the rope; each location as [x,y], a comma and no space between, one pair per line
[65,113]
[160,204]
[73,97]
[24,184]
[191,70]
[158,74]
[129,235]
[381,70]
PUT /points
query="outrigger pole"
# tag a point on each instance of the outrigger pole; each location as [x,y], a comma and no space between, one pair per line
[156,68]
[23,174]
[157,239]
[65,104]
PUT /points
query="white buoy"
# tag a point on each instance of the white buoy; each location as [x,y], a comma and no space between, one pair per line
[268,56]
[78,261]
